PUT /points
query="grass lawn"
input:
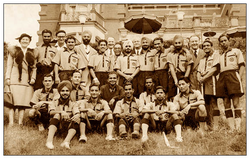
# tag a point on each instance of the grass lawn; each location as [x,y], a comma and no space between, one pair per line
[27,140]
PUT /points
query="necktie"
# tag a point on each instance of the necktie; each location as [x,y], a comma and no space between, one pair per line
[195,51]
[110,52]
[45,54]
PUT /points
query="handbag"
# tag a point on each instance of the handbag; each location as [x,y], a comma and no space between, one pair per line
[8,98]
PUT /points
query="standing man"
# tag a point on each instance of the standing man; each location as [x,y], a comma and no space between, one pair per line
[45,54]
[67,61]
[111,43]
[86,51]
[99,64]
[127,110]
[209,86]
[231,64]
[98,112]
[137,46]
[146,62]
[127,66]
[61,37]
[179,62]
[118,52]
[111,92]
[161,67]
[40,100]
[197,55]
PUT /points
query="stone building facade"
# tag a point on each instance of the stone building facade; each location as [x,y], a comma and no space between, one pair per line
[105,20]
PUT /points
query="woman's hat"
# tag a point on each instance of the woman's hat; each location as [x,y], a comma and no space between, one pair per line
[24,35]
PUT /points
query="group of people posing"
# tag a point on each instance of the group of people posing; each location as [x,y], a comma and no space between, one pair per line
[134,85]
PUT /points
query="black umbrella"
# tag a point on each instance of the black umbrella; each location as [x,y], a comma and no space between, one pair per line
[209,33]
[142,24]
[237,32]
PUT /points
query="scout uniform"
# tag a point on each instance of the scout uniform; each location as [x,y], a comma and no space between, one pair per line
[67,106]
[146,62]
[45,55]
[79,93]
[209,87]
[161,69]
[191,118]
[127,64]
[229,82]
[180,61]
[127,106]
[67,62]
[101,65]
[147,97]
[39,96]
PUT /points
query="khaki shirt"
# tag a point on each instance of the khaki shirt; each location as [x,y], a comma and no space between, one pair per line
[102,105]
[181,100]
[69,106]
[100,63]
[41,95]
[127,107]
[45,53]
[127,64]
[161,60]
[68,60]
[147,60]
[229,60]
[180,61]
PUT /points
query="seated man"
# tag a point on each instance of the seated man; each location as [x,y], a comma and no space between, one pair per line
[78,92]
[98,111]
[148,96]
[127,110]
[65,113]
[159,106]
[190,108]
[40,100]
[112,92]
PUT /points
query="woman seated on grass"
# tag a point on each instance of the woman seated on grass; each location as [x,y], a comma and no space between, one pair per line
[65,113]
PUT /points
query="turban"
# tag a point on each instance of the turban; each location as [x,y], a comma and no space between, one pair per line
[128,42]
[64,83]
[87,32]
[147,39]
[178,37]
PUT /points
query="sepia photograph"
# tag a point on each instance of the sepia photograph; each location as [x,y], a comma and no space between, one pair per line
[124,79]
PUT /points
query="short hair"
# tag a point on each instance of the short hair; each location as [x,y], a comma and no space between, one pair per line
[48,75]
[226,35]
[94,85]
[194,36]
[127,83]
[207,41]
[70,37]
[113,72]
[47,31]
[149,77]
[102,40]
[160,87]
[60,31]
[186,79]
[76,71]
[158,38]
[118,43]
